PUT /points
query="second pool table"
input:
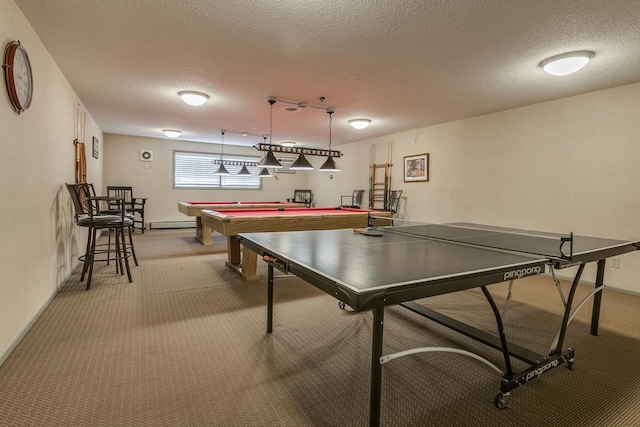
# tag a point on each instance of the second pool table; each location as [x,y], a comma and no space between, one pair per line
[232,222]
[203,233]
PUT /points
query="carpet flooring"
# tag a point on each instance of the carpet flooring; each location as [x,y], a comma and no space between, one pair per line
[185,345]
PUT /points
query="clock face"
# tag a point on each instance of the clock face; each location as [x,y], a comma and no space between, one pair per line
[18,77]
[22,77]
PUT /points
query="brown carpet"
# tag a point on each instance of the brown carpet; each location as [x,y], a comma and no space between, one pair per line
[185,345]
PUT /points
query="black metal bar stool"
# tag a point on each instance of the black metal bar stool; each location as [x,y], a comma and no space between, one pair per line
[90,214]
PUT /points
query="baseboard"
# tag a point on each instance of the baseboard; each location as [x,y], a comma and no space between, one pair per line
[9,349]
[569,278]
[172,224]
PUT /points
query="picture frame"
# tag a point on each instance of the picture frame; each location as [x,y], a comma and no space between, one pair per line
[416,168]
[96,148]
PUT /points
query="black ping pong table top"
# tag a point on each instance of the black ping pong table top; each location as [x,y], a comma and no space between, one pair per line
[402,265]
[399,265]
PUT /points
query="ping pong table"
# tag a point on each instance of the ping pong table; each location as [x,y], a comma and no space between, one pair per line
[397,265]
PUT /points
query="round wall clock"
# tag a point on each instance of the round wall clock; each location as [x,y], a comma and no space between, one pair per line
[17,76]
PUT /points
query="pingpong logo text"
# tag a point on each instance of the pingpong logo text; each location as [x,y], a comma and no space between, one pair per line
[518,274]
[541,370]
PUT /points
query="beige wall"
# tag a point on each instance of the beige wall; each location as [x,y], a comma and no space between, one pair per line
[40,245]
[569,165]
[566,165]
[154,180]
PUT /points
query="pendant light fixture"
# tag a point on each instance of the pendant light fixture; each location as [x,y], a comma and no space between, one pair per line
[264,173]
[269,160]
[330,165]
[221,169]
[301,164]
[244,171]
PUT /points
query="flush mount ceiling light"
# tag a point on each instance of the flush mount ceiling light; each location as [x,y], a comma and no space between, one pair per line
[290,109]
[172,133]
[193,98]
[359,123]
[566,63]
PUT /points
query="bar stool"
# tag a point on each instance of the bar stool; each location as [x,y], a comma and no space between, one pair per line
[88,214]
[112,208]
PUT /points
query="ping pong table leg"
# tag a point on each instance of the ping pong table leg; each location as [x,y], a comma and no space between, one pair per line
[567,311]
[597,298]
[376,367]
[503,338]
[269,299]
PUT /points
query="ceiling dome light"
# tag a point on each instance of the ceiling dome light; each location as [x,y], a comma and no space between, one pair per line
[172,133]
[193,98]
[359,123]
[566,63]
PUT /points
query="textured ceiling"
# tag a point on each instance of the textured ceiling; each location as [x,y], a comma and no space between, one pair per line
[405,64]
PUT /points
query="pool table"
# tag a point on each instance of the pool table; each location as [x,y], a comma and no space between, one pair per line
[232,222]
[203,234]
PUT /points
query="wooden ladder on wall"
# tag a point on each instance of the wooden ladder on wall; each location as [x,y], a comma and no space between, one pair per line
[379,179]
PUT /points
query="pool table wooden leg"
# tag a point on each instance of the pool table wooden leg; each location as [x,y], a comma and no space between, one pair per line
[233,253]
[203,232]
[245,267]
[249,265]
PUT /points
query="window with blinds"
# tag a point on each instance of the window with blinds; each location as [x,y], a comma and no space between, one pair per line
[195,170]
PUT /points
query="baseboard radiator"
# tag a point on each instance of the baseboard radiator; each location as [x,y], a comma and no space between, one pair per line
[172,224]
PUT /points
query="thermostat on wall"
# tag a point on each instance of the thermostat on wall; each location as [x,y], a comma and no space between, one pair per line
[146,155]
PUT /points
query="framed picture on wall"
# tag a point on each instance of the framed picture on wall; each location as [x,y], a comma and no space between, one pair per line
[96,148]
[416,168]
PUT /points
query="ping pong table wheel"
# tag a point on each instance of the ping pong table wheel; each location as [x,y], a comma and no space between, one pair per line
[341,305]
[500,401]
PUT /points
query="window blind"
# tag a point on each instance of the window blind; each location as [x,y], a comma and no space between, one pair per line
[195,170]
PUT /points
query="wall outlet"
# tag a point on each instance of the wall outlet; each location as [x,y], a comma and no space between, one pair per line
[615,262]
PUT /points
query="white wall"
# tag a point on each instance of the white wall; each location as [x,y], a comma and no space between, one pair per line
[154,180]
[39,247]
[570,165]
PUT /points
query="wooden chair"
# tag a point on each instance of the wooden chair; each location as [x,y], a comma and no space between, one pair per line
[89,212]
[132,204]
[352,201]
[302,196]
